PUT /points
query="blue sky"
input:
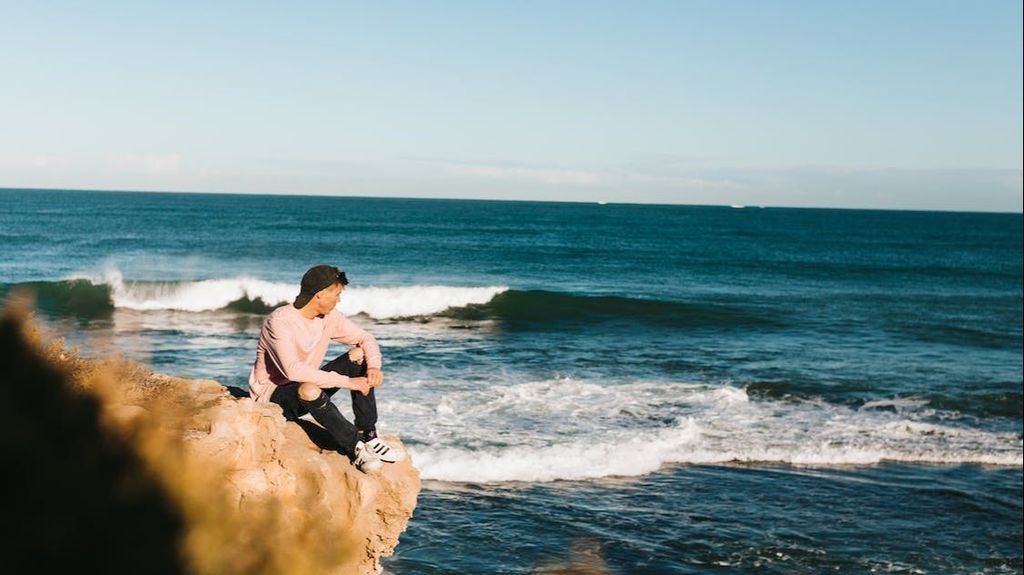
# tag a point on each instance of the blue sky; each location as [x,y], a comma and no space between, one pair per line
[860,104]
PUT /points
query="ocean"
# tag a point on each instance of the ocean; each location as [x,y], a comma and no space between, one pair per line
[677,389]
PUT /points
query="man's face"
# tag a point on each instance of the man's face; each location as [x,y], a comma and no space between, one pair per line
[328,298]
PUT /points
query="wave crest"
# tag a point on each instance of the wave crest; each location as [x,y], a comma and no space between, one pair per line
[86,295]
[538,306]
[244,294]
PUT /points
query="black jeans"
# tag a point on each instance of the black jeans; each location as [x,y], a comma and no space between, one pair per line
[326,413]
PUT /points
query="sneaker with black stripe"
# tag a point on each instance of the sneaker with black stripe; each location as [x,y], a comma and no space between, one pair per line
[383,451]
[365,460]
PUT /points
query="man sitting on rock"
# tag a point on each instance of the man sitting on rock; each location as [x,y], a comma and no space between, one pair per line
[287,371]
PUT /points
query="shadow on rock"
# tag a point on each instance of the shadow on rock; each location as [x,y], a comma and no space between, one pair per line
[78,499]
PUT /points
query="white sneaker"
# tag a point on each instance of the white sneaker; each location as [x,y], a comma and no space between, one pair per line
[366,461]
[384,452]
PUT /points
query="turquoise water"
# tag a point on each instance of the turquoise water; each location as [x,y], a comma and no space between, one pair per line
[689,389]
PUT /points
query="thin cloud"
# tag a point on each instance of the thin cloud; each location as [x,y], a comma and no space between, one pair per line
[547,176]
[699,183]
[169,164]
[31,161]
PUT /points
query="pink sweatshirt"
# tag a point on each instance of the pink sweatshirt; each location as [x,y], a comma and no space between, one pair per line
[291,349]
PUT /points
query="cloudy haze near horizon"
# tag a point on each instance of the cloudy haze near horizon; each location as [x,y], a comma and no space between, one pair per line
[910,105]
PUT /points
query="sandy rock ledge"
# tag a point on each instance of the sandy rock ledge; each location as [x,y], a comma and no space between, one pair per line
[251,480]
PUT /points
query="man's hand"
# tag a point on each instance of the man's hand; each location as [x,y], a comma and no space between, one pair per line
[359,384]
[374,376]
[356,355]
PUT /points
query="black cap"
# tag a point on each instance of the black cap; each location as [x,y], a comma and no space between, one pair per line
[316,279]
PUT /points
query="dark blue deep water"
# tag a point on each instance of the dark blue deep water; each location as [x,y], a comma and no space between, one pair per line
[673,389]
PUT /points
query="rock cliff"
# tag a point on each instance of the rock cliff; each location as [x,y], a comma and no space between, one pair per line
[246,491]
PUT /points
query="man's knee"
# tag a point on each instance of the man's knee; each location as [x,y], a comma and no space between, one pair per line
[308,392]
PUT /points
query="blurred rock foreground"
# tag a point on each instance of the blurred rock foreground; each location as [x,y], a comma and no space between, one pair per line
[110,468]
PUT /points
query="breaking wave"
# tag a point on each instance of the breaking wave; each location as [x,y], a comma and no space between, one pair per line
[569,429]
[96,295]
[93,296]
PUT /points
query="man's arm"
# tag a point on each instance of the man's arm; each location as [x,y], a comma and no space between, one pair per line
[344,330]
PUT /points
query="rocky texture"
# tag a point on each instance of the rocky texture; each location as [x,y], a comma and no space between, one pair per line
[255,493]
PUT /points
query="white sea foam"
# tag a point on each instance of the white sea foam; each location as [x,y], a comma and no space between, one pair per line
[390,302]
[571,429]
[897,404]
[208,295]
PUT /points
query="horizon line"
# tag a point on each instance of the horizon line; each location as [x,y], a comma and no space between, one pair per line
[600,202]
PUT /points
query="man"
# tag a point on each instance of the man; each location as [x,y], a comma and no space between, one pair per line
[292,344]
